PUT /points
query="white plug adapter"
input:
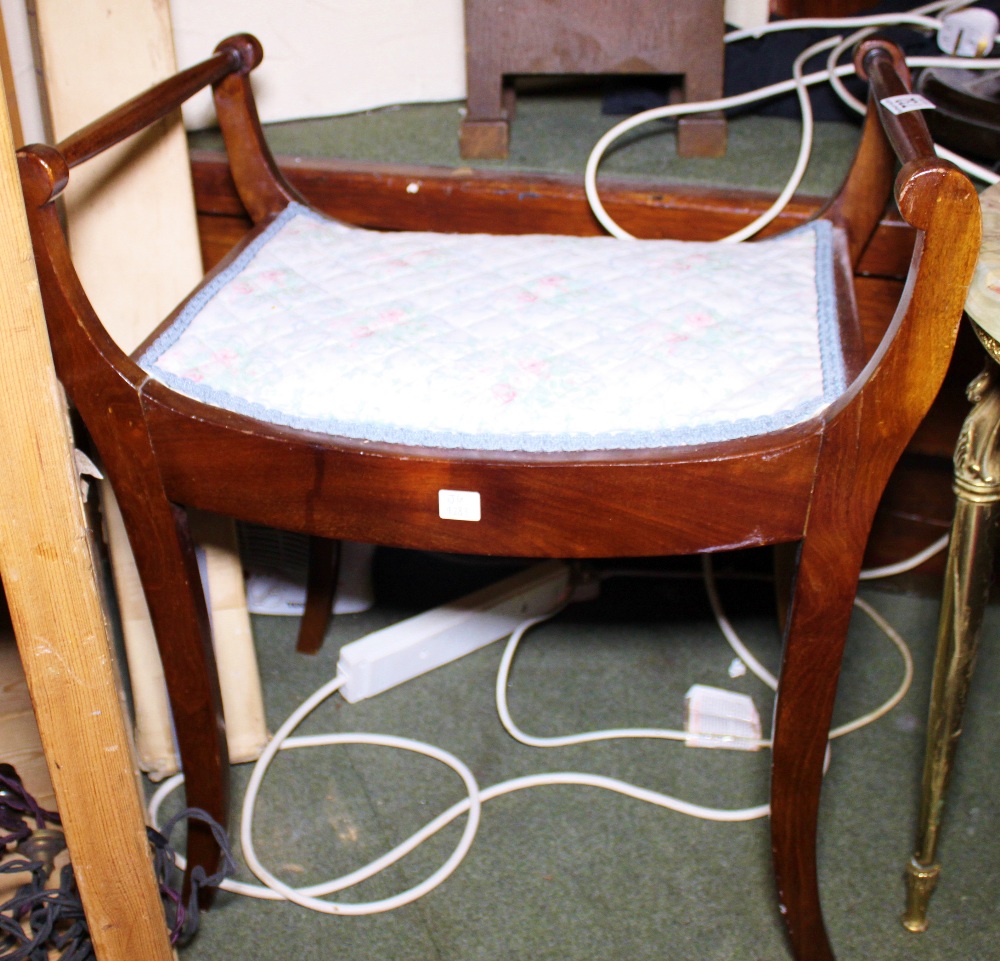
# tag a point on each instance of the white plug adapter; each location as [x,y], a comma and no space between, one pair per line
[717,718]
[968,33]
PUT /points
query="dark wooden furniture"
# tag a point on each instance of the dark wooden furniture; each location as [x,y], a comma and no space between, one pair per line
[819,8]
[816,484]
[504,40]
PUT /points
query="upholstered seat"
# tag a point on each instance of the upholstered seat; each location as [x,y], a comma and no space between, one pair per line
[530,343]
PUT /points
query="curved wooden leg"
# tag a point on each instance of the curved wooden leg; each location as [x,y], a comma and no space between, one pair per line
[814,641]
[165,558]
[111,408]
[321,587]
[857,457]
[966,589]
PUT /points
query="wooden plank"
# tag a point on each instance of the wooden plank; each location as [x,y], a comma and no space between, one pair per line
[47,564]
[133,232]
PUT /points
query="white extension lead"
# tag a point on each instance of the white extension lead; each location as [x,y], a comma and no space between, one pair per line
[313,896]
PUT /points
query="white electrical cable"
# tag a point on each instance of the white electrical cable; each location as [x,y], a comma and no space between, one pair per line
[911,19]
[312,900]
[735,642]
[943,7]
[805,148]
[305,895]
[835,72]
[901,567]
[739,648]
[311,896]
[569,740]
[771,681]
[832,62]
[798,84]
[275,889]
[677,110]
[904,685]
[970,167]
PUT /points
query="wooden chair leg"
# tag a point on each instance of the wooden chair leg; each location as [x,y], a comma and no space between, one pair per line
[785,556]
[815,633]
[321,586]
[165,558]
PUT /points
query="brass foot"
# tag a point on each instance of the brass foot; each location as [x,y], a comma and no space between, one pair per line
[920,882]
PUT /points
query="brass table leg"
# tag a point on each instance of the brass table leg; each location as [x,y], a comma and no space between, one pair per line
[966,587]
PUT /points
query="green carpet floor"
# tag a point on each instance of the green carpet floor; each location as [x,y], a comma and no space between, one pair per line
[576,873]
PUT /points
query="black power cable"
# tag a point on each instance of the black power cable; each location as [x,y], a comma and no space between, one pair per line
[42,919]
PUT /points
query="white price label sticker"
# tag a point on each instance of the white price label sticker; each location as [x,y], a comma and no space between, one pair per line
[459,505]
[906,102]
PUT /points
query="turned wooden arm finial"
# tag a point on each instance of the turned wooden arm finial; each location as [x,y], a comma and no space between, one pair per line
[247,47]
[44,173]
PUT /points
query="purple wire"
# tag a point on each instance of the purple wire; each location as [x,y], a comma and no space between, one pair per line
[18,799]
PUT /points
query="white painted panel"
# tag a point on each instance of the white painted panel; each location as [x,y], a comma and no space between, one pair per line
[747,13]
[22,63]
[335,57]
[321,59]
